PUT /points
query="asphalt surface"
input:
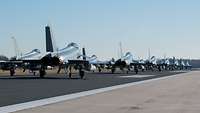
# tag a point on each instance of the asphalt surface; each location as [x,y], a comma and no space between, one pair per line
[20,89]
[177,94]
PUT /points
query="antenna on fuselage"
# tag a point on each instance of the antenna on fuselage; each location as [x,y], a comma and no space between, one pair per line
[120,48]
[149,54]
[165,56]
[16,47]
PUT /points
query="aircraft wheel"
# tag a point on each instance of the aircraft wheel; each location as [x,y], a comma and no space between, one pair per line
[42,73]
[11,74]
[136,71]
[82,73]
[70,75]
[99,70]
[12,71]
[113,71]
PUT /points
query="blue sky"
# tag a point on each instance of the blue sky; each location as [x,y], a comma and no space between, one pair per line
[170,27]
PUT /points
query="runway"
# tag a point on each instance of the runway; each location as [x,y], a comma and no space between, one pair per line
[175,94]
[20,89]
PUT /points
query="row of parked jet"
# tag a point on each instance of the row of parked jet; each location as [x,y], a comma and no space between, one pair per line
[71,57]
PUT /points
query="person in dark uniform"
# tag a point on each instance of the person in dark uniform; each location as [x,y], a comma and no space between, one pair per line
[81,72]
[12,70]
[136,69]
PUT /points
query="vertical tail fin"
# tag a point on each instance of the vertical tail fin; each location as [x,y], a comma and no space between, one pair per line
[49,43]
[84,54]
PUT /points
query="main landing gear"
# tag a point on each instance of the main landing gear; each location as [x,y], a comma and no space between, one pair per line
[81,72]
[42,72]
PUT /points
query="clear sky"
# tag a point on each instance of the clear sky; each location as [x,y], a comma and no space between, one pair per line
[170,27]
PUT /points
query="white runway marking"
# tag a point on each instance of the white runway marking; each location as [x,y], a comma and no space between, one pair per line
[136,76]
[37,103]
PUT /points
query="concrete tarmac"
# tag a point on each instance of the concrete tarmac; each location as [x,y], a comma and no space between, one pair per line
[178,94]
[21,88]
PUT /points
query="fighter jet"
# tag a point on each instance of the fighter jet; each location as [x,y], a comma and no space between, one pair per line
[94,62]
[123,63]
[21,60]
[188,65]
[68,56]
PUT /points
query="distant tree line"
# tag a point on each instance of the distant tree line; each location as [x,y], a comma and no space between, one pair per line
[4,58]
